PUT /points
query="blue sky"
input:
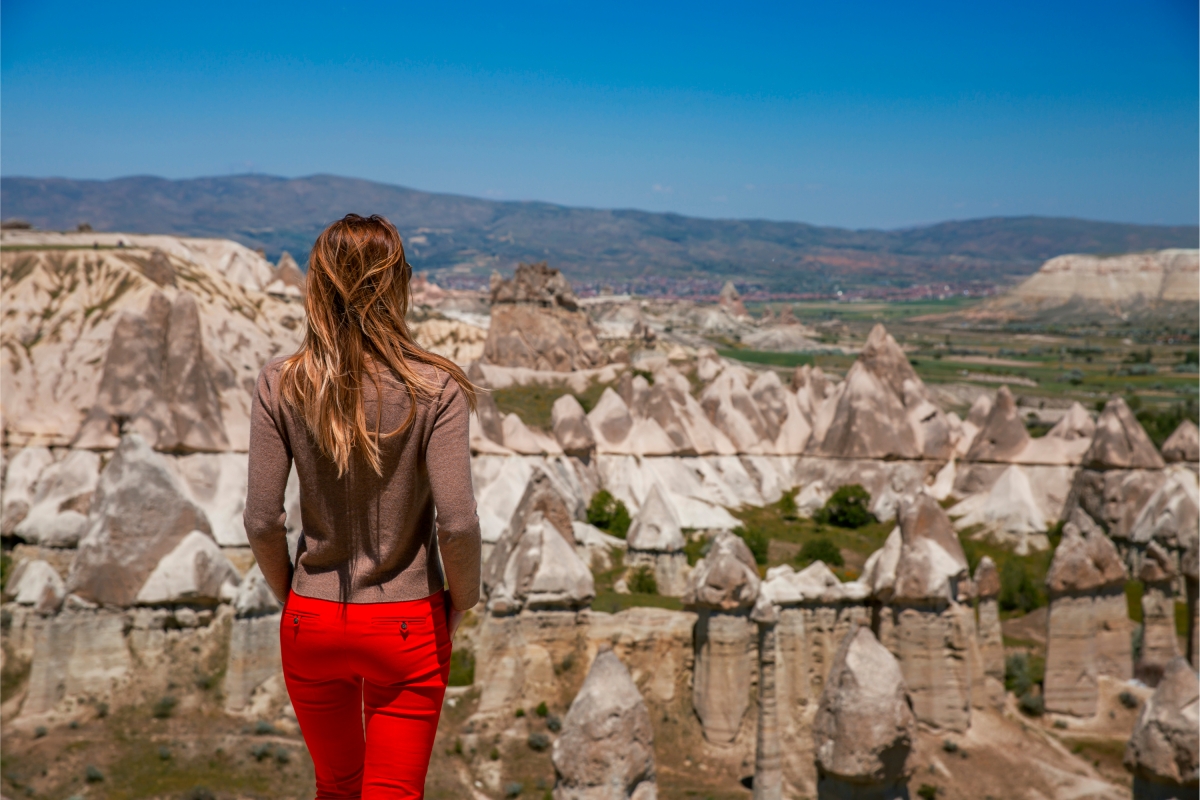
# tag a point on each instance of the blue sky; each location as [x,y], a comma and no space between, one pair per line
[860,115]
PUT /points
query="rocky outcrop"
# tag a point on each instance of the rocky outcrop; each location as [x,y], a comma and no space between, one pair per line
[884,410]
[1003,436]
[1183,445]
[287,280]
[57,515]
[196,571]
[606,749]
[865,731]
[20,483]
[77,653]
[1088,632]
[723,588]
[991,640]
[1120,441]
[571,427]
[253,659]
[140,513]
[1190,567]
[1114,498]
[1171,516]
[655,540]
[731,301]
[254,597]
[534,565]
[1159,647]
[1164,749]
[536,323]
[1008,513]
[36,583]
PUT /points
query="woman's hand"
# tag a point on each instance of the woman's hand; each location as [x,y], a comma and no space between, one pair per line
[453,619]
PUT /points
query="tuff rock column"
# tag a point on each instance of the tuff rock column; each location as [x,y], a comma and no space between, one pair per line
[768,750]
[1088,628]
[1162,752]
[1158,615]
[991,642]
[656,541]
[723,588]
[864,730]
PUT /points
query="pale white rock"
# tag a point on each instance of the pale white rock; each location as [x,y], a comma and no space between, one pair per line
[787,427]
[655,527]
[522,439]
[20,482]
[1171,516]
[606,748]
[535,567]
[670,404]
[253,660]
[196,571]
[921,560]
[1002,437]
[594,546]
[457,340]
[216,482]
[731,408]
[1113,281]
[58,514]
[812,497]
[140,513]
[571,426]
[36,583]
[697,490]
[254,596]
[77,654]
[864,731]
[499,483]
[1008,512]
[708,364]
[617,431]
[1183,444]
[816,583]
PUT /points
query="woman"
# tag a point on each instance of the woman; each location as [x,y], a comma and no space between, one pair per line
[377,428]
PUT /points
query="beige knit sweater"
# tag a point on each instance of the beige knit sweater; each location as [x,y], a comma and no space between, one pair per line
[367,538]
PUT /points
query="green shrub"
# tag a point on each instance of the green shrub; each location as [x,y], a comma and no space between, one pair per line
[462,667]
[1032,704]
[642,581]
[787,506]
[165,707]
[608,514]
[1019,590]
[847,508]
[541,709]
[821,549]
[1022,673]
[1160,424]
[538,741]
[756,539]
[520,712]
[927,791]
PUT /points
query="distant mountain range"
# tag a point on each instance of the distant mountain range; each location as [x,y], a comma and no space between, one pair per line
[464,236]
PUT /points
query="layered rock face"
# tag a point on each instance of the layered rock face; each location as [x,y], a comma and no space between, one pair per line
[656,541]
[166,342]
[919,575]
[1088,630]
[606,749]
[1120,441]
[865,730]
[723,588]
[536,323]
[1164,750]
[1183,445]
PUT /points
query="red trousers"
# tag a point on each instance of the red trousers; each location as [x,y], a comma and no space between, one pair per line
[366,681]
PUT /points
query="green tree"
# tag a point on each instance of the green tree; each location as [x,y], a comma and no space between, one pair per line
[821,549]
[608,514]
[848,507]
[642,581]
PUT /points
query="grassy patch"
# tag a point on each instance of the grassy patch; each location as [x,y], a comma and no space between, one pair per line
[768,358]
[532,403]
[613,602]
[1022,578]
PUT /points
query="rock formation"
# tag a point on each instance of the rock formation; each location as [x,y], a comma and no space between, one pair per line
[1182,445]
[1120,441]
[919,575]
[865,730]
[77,653]
[1171,515]
[196,571]
[571,427]
[57,514]
[1190,567]
[140,513]
[536,323]
[655,540]
[731,301]
[1088,630]
[606,749]
[36,583]
[20,483]
[884,410]
[768,747]
[287,280]
[723,587]
[534,565]
[1159,647]
[991,640]
[1165,746]
[1003,436]
[1008,513]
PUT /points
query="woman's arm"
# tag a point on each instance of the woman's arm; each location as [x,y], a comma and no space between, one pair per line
[449,463]
[264,517]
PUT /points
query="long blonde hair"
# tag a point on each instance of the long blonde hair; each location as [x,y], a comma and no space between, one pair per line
[357,301]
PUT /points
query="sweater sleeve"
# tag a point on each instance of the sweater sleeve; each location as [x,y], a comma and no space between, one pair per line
[270,463]
[449,463]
